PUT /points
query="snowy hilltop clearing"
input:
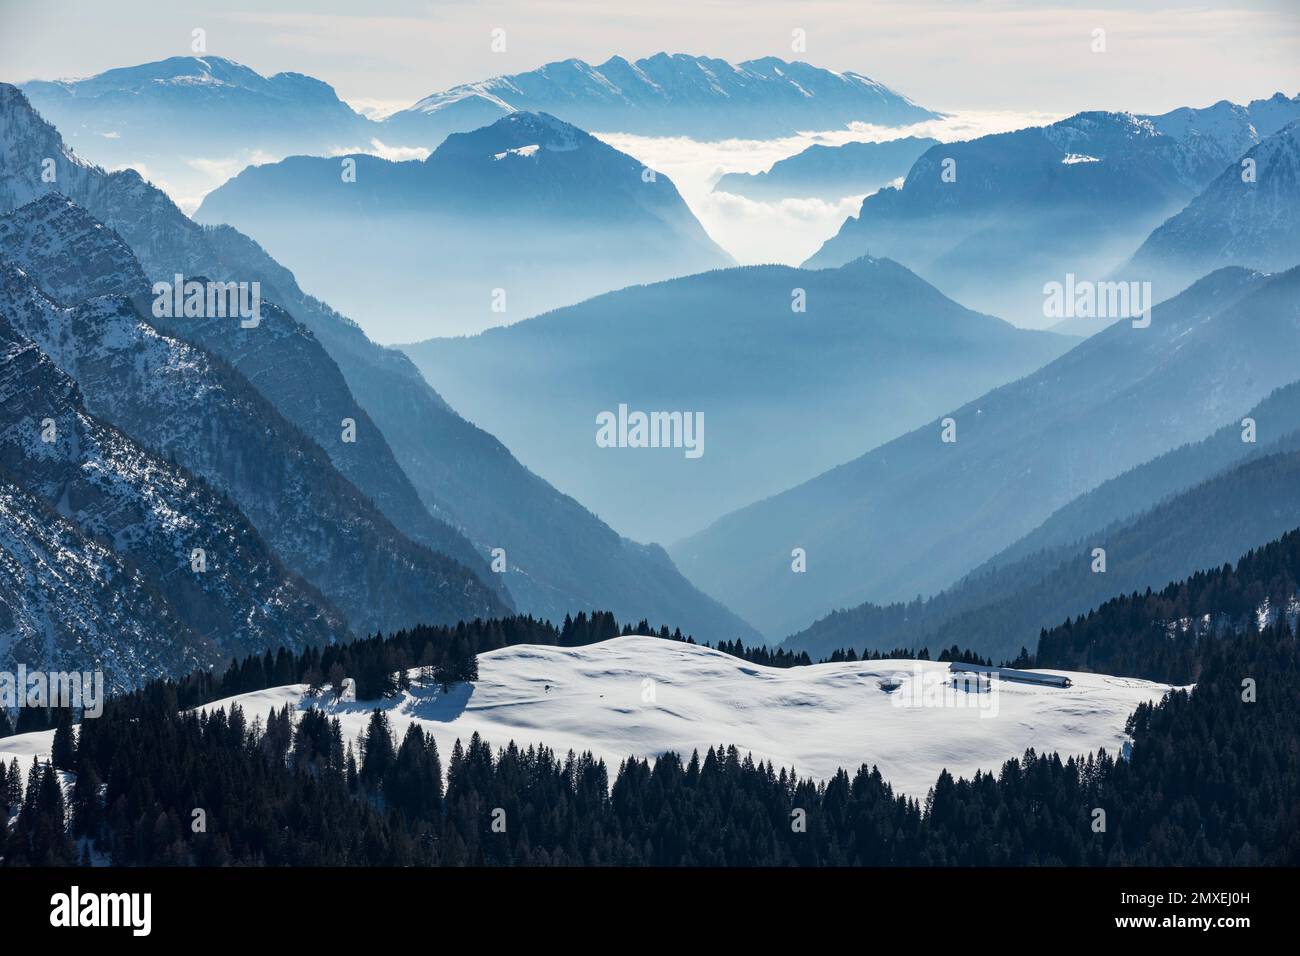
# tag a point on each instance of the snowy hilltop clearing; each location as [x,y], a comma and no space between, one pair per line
[642,696]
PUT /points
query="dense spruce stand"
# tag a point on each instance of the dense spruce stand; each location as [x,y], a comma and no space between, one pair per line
[1212,780]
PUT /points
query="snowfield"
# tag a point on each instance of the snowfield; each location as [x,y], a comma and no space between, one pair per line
[644,695]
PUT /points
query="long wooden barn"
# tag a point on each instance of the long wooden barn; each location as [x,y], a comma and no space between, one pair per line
[1012,674]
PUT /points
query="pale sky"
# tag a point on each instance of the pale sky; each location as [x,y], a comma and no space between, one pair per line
[946,54]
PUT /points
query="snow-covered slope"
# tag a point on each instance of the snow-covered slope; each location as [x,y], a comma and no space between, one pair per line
[70,602]
[1220,134]
[178,400]
[73,257]
[1237,219]
[96,538]
[646,695]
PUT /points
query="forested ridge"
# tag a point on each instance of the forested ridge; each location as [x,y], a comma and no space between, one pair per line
[1010,599]
[1164,635]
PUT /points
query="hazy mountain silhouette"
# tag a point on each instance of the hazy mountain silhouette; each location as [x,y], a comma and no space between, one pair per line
[218,115]
[784,394]
[509,220]
[911,517]
[990,221]
[1192,508]
[560,557]
[830,172]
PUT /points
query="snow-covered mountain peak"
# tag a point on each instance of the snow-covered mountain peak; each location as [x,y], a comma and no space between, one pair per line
[183,74]
[1096,133]
[518,134]
[677,93]
[551,134]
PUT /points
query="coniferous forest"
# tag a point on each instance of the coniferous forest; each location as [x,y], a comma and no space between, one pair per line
[1163,635]
[1213,779]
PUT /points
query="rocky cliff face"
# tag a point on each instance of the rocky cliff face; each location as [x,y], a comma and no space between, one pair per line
[118,559]
[181,402]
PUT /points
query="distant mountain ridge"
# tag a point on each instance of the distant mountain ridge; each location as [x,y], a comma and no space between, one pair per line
[222,115]
[500,223]
[991,220]
[1223,132]
[670,95]
[216,112]
[830,172]
[187,74]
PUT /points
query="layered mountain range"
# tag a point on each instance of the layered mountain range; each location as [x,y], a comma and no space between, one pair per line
[917,513]
[830,172]
[366,502]
[1193,508]
[446,488]
[791,372]
[1034,206]
[227,115]
[497,224]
